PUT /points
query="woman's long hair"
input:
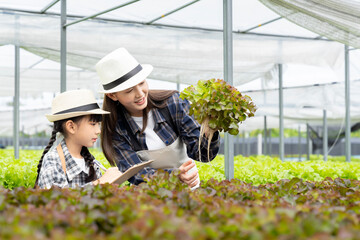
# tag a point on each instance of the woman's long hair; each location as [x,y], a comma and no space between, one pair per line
[155,99]
[59,127]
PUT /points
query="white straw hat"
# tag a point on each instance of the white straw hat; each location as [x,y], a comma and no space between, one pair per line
[119,71]
[72,104]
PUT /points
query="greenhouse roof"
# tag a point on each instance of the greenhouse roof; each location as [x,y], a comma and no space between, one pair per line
[183,40]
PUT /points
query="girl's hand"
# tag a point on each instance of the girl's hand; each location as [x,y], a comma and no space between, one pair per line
[189,178]
[105,177]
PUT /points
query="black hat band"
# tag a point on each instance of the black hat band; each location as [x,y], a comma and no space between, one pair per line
[124,78]
[82,108]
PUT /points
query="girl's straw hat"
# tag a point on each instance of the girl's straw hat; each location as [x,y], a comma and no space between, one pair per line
[119,71]
[72,104]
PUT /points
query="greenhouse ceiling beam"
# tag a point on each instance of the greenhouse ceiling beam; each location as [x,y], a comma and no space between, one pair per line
[169,26]
[261,24]
[294,87]
[171,12]
[49,6]
[100,13]
[33,65]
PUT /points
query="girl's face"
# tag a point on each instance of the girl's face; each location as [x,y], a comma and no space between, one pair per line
[134,99]
[86,132]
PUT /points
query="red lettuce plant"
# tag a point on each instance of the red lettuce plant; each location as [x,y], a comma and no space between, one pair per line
[216,105]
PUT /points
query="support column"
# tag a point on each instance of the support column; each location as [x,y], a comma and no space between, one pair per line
[281,114]
[265,136]
[248,144]
[299,142]
[243,144]
[270,143]
[63,47]
[228,76]
[325,136]
[17,103]
[347,106]
[259,144]
[307,141]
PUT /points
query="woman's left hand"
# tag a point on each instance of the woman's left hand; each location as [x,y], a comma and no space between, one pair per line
[189,178]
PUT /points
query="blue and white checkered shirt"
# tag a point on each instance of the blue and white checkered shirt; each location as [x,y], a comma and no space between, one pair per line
[52,173]
[188,129]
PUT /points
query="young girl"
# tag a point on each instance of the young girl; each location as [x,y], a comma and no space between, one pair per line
[147,124]
[77,116]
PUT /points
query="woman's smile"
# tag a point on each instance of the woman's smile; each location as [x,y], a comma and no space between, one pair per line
[141,101]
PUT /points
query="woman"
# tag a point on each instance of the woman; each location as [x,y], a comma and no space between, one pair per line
[147,124]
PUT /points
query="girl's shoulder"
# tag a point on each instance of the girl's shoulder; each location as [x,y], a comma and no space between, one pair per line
[51,158]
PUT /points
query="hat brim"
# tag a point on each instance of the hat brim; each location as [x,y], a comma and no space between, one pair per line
[57,117]
[135,80]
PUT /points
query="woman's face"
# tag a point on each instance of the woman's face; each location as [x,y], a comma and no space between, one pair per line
[134,99]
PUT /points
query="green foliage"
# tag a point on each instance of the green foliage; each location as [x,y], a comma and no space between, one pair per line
[253,169]
[355,134]
[165,209]
[256,207]
[222,104]
[265,169]
[23,171]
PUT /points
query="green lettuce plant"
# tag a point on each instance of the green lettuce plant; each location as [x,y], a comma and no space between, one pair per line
[218,106]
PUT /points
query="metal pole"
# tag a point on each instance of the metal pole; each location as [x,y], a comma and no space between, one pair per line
[299,142]
[259,144]
[270,142]
[308,141]
[265,136]
[237,152]
[325,136]
[281,114]
[243,144]
[228,76]
[262,24]
[63,47]
[347,106]
[17,102]
[100,13]
[171,12]
[49,6]
[248,147]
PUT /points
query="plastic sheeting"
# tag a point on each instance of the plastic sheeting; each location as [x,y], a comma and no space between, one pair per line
[183,47]
[179,50]
[304,105]
[178,55]
[334,19]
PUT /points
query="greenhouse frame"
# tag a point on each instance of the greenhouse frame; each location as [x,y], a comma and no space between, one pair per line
[284,43]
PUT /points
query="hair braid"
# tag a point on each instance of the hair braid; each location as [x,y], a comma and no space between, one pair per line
[51,142]
[89,159]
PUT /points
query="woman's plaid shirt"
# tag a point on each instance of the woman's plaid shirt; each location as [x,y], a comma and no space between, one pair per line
[52,174]
[188,129]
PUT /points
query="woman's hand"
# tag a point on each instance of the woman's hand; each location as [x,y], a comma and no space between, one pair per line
[190,178]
